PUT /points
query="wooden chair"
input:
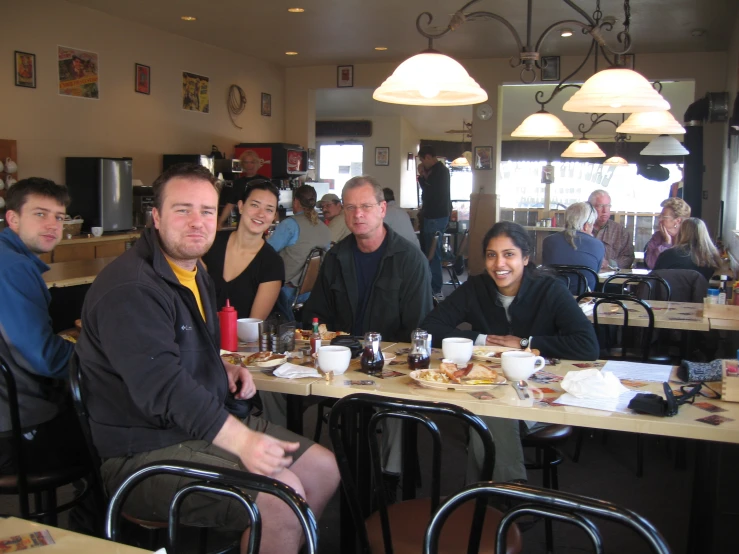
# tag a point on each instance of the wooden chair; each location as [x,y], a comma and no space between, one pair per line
[399,528]
[220,481]
[554,506]
[308,276]
[42,485]
[458,260]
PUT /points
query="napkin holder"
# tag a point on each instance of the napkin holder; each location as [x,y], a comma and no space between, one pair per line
[730,380]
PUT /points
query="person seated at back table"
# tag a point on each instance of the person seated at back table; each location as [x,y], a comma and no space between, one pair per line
[674,212]
[245,269]
[576,244]
[333,216]
[230,195]
[515,305]
[38,358]
[398,219]
[294,238]
[693,250]
[614,236]
[156,385]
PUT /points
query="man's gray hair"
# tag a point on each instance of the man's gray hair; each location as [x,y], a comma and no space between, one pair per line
[596,193]
[360,181]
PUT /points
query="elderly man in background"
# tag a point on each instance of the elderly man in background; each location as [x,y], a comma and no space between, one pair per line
[230,195]
[398,219]
[618,243]
[333,216]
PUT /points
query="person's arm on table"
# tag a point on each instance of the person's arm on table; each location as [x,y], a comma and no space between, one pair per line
[26,326]
[265,299]
[286,234]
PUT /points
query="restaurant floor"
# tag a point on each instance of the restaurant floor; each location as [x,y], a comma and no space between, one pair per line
[606,471]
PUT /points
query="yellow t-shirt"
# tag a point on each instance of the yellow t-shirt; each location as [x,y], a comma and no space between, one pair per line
[187,279]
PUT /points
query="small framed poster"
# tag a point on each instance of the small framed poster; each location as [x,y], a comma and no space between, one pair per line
[143,79]
[483,157]
[345,76]
[266,104]
[25,69]
[550,68]
[382,155]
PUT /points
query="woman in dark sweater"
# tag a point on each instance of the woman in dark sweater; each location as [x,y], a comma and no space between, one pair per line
[693,250]
[513,305]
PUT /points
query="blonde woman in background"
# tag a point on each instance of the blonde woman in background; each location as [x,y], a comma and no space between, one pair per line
[693,250]
[674,212]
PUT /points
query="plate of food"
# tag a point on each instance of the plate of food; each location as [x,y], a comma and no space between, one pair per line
[302,336]
[470,378]
[265,359]
[232,357]
[491,354]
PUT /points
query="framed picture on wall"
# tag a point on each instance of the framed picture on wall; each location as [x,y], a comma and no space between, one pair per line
[345,76]
[483,157]
[266,104]
[25,69]
[550,68]
[382,155]
[143,79]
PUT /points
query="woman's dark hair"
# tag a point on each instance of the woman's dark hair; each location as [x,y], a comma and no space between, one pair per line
[261,184]
[306,196]
[518,235]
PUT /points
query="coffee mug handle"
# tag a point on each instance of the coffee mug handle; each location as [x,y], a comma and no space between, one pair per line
[536,362]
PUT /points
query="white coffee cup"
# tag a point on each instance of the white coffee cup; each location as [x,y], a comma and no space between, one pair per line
[519,365]
[247,329]
[334,358]
[97,231]
[457,349]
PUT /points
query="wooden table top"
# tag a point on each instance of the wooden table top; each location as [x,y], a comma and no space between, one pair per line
[79,272]
[502,401]
[667,315]
[65,542]
[105,237]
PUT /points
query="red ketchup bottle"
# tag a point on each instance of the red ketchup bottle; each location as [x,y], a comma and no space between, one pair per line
[227,317]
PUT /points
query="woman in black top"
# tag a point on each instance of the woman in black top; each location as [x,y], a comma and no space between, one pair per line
[513,305]
[693,250]
[246,270]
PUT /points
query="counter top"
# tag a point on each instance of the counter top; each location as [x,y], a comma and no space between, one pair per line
[106,237]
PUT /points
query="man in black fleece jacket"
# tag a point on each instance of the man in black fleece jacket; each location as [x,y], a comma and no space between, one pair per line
[156,384]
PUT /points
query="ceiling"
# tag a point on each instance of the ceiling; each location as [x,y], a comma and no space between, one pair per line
[347,31]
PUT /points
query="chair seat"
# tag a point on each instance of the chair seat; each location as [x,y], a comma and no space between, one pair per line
[547,435]
[145,522]
[43,481]
[409,519]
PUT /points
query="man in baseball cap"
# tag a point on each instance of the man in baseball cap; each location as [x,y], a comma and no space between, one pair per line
[333,214]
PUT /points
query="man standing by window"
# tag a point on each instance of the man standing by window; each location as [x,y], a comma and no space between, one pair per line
[433,176]
[614,236]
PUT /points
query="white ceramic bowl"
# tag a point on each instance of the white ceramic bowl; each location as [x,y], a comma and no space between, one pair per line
[517,365]
[334,358]
[97,231]
[457,349]
[247,329]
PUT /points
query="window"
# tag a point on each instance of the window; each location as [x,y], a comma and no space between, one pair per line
[339,163]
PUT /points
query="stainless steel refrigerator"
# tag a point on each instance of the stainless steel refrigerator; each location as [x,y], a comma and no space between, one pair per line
[101,191]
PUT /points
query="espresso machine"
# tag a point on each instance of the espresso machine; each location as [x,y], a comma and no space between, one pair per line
[143,202]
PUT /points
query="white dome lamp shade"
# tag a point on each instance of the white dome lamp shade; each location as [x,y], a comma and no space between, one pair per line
[616,90]
[664,145]
[583,149]
[651,123]
[616,160]
[542,124]
[430,79]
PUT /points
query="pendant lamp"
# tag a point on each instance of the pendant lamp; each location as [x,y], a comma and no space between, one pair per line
[651,123]
[616,160]
[583,149]
[430,79]
[616,90]
[665,145]
[542,124]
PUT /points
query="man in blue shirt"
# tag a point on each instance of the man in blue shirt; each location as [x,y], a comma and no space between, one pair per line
[36,356]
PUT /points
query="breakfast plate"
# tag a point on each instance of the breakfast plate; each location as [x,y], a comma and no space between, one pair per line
[491,354]
[432,379]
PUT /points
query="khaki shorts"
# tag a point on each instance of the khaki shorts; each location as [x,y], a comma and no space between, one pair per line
[150,499]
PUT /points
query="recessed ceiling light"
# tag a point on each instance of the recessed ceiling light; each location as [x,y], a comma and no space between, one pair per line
[566,33]
[291,53]
[380,48]
[295,10]
[188,18]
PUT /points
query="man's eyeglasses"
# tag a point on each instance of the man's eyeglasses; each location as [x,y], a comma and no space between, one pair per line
[600,206]
[364,207]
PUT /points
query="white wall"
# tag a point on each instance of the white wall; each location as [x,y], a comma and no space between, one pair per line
[410,138]
[48,126]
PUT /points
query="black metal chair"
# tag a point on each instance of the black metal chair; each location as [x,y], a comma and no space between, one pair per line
[42,485]
[399,528]
[308,276]
[651,287]
[579,272]
[458,261]
[220,481]
[558,506]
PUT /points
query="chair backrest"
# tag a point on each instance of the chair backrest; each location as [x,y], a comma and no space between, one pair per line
[214,480]
[75,388]
[432,246]
[619,299]
[309,273]
[579,271]
[650,287]
[16,438]
[570,508]
[463,246]
[350,448]
[686,285]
